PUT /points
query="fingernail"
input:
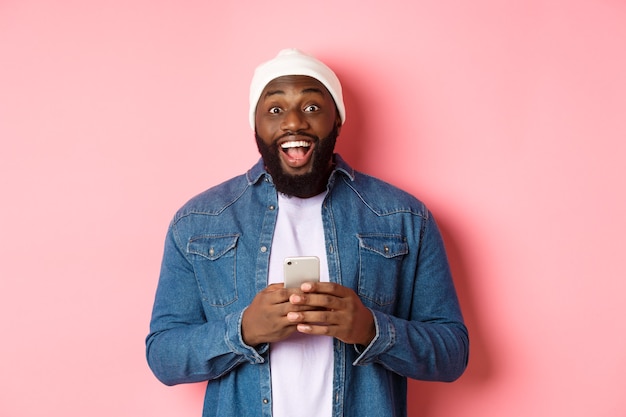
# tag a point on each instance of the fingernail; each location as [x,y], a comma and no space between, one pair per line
[306,287]
[304,328]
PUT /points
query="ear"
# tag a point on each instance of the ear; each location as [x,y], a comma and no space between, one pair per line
[338,124]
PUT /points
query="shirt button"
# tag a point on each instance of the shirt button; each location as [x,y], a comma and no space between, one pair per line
[265,401]
[263,249]
[272,207]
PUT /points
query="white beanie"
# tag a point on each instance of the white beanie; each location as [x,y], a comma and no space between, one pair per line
[294,62]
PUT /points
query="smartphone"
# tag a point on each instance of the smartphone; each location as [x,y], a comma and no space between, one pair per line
[299,269]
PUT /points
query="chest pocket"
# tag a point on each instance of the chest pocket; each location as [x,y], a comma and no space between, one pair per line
[380,262]
[214,258]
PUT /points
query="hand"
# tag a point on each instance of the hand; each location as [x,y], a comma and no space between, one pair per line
[334,310]
[265,319]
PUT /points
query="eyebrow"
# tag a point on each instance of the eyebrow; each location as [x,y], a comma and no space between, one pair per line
[310,90]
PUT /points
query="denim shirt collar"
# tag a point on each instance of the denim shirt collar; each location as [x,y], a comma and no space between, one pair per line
[341,168]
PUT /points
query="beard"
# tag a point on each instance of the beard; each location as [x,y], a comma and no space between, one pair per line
[304,185]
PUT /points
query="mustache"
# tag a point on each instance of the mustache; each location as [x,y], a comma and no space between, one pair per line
[298,133]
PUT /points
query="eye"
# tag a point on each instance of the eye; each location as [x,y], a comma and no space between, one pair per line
[311,108]
[274,110]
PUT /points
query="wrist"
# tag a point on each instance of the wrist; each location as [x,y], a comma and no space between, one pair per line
[247,334]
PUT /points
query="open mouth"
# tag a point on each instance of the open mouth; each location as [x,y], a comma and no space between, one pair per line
[297,152]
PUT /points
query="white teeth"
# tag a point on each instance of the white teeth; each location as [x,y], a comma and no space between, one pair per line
[295,144]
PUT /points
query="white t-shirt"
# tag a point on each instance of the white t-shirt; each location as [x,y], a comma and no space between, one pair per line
[302,365]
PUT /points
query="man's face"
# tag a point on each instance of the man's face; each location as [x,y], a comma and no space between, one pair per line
[296,127]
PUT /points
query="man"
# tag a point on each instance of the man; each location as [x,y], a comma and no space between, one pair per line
[385,308]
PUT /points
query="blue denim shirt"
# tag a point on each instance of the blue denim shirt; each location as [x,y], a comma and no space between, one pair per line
[380,241]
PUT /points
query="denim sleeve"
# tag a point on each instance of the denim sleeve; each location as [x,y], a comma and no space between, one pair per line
[182,345]
[432,343]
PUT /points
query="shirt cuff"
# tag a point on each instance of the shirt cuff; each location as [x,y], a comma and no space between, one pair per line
[384,339]
[234,339]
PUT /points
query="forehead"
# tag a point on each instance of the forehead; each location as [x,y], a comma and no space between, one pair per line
[300,84]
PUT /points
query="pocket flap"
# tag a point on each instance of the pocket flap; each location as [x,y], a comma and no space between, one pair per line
[212,247]
[388,246]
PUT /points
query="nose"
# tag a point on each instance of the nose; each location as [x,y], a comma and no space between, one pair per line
[293,121]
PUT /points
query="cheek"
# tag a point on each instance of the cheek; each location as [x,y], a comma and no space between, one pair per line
[266,130]
[326,126]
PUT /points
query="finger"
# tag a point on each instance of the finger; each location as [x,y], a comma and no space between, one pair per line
[317,329]
[345,333]
[277,294]
[318,301]
[294,314]
[325,288]
[304,315]
[325,317]
[274,287]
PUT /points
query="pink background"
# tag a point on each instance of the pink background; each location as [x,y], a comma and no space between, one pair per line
[507,118]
